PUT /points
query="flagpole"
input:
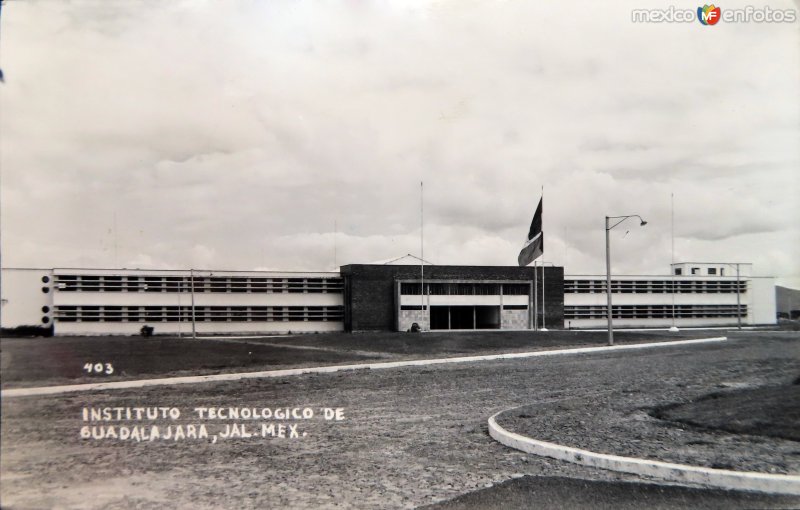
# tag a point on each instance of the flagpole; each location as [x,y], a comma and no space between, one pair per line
[544,327]
[421,255]
[535,296]
[532,249]
[674,328]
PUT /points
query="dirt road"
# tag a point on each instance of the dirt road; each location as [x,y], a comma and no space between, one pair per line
[409,437]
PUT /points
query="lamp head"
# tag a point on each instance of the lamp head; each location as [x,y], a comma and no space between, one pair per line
[643,223]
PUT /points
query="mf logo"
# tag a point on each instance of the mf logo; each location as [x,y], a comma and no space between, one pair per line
[708,14]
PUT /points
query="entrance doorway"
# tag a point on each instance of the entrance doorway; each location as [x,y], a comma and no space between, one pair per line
[465,317]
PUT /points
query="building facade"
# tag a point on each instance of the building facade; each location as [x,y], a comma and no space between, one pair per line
[375,297]
[394,297]
[108,301]
[665,301]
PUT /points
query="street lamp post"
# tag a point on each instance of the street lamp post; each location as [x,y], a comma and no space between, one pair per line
[608,284]
[608,266]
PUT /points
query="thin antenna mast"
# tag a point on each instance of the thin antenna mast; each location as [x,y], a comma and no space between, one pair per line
[335,232]
[116,258]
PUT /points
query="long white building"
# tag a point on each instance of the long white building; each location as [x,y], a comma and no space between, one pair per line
[695,294]
[107,301]
[374,297]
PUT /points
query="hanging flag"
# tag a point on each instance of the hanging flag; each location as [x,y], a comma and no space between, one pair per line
[534,244]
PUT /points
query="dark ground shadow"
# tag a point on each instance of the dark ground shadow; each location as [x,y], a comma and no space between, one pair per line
[539,492]
[772,411]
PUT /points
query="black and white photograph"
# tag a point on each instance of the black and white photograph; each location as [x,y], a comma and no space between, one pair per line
[399,254]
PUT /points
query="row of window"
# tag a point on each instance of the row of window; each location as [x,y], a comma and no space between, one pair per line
[711,271]
[654,311]
[201,313]
[655,286]
[108,283]
[505,307]
[465,289]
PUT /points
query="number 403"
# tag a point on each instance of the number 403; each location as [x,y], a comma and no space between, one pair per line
[99,368]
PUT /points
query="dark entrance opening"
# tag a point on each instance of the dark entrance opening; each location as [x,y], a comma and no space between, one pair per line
[487,317]
[439,317]
[461,317]
[465,317]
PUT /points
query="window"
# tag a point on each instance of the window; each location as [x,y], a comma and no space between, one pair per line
[173,283]
[112,284]
[90,283]
[296,285]
[184,313]
[66,313]
[695,270]
[199,284]
[133,284]
[436,289]
[153,313]
[134,314]
[238,284]
[90,313]
[219,284]
[296,313]
[112,313]
[487,289]
[410,289]
[678,271]
[315,285]
[219,314]
[712,270]
[653,311]
[516,289]
[152,284]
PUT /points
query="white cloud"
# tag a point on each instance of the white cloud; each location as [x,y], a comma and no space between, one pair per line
[186,134]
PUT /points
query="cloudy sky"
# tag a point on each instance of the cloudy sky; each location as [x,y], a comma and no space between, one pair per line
[235,135]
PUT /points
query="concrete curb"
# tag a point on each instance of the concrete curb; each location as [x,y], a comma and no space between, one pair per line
[722,478]
[168,381]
